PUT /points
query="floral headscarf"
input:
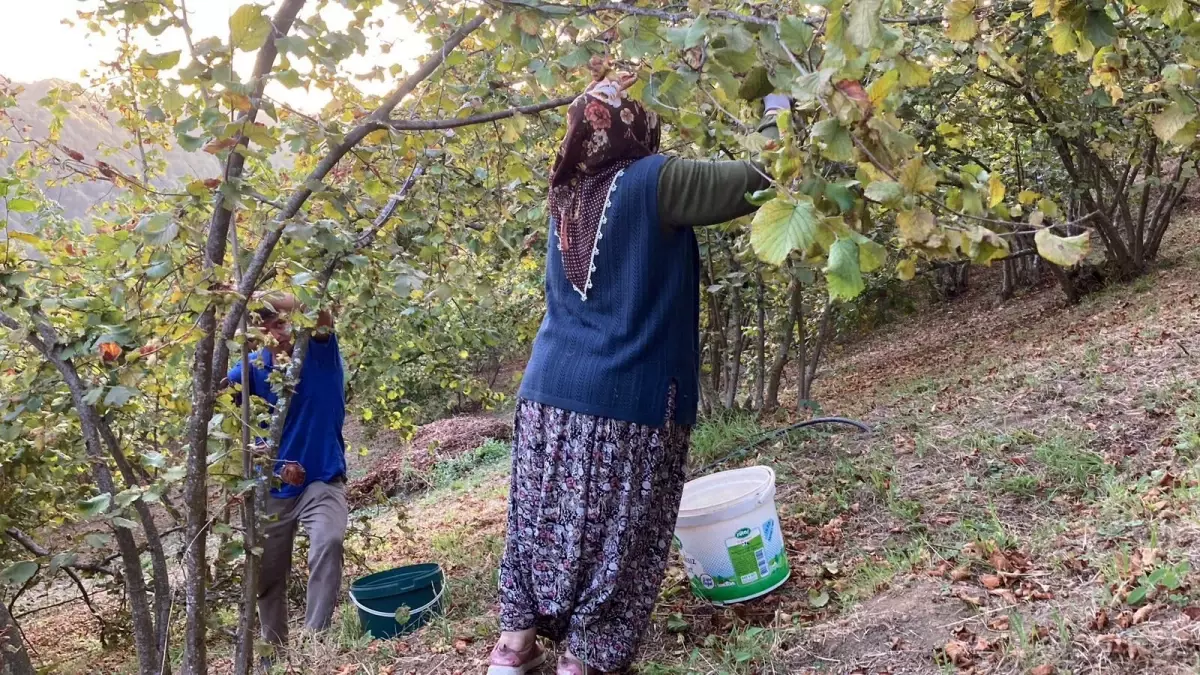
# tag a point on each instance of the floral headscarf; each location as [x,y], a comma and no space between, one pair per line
[606,132]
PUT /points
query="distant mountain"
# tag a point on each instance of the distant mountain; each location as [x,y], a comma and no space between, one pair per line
[88,128]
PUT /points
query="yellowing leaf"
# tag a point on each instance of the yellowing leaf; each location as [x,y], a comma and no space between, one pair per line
[1048,207]
[1063,251]
[1040,7]
[985,246]
[916,177]
[1027,197]
[781,227]
[960,20]
[1171,121]
[21,205]
[912,74]
[248,28]
[882,86]
[871,254]
[916,227]
[1062,37]
[995,190]
[906,269]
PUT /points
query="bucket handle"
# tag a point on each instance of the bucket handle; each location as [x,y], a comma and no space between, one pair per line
[392,615]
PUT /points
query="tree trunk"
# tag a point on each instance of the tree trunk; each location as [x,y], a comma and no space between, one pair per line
[734,361]
[14,659]
[795,296]
[45,340]
[760,356]
[809,375]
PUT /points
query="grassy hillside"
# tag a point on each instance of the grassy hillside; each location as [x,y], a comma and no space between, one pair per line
[1025,504]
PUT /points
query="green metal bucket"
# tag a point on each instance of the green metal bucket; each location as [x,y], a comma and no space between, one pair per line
[377,597]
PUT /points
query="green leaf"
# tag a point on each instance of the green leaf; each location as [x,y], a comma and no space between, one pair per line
[126,497]
[403,614]
[817,599]
[842,272]
[755,85]
[1171,121]
[865,28]
[163,61]
[1099,29]
[1138,594]
[796,34]
[158,229]
[760,197]
[61,560]
[248,28]
[124,522]
[21,205]
[95,505]
[884,191]
[809,88]
[838,146]
[841,195]
[781,227]
[695,33]
[119,396]
[18,573]
[98,540]
[1062,251]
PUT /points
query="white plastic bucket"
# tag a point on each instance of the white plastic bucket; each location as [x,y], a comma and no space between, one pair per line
[728,533]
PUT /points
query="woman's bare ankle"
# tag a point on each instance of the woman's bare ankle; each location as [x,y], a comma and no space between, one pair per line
[519,641]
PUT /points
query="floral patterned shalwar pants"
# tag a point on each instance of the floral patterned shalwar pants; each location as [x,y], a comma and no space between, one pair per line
[591,518]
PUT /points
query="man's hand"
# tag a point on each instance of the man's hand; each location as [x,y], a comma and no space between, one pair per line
[292,474]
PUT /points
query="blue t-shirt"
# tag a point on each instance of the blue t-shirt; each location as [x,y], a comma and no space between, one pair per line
[312,432]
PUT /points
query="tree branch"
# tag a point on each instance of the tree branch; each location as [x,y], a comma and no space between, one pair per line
[676,17]
[379,119]
[456,122]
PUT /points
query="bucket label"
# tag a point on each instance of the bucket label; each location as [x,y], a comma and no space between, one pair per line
[747,555]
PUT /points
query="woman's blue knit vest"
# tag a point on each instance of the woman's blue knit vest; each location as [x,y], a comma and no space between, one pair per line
[617,353]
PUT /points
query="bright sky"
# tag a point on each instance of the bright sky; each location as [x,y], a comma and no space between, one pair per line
[35,44]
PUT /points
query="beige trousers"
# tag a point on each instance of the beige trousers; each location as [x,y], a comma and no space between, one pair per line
[321,511]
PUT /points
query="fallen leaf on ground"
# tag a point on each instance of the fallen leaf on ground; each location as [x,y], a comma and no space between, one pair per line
[991,581]
[960,574]
[1142,614]
[1044,669]
[1192,613]
[999,623]
[957,653]
[1100,622]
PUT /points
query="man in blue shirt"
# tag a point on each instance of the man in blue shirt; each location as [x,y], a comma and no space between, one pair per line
[311,465]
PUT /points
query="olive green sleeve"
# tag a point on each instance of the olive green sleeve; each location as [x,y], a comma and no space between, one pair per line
[693,193]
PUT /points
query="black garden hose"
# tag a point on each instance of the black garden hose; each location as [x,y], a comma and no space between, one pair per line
[776,433]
